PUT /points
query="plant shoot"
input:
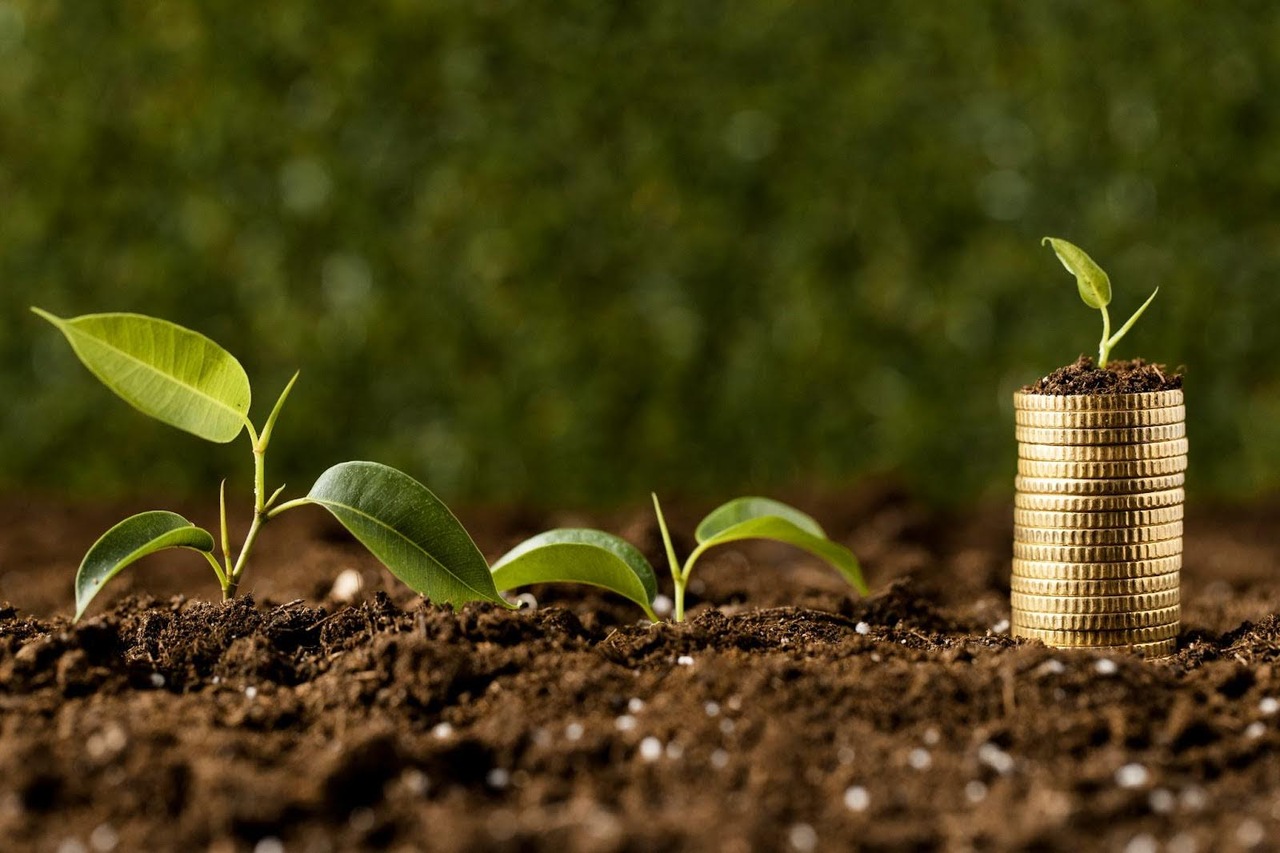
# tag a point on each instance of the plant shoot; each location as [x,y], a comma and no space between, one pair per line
[182,378]
[604,560]
[1095,289]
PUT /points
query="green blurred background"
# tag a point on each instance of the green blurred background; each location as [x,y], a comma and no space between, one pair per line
[567,252]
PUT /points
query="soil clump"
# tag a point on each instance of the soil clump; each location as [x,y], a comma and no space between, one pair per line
[1084,377]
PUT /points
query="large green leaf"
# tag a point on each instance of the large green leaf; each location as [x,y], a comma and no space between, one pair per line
[129,541]
[762,518]
[409,529]
[173,374]
[580,556]
[1094,284]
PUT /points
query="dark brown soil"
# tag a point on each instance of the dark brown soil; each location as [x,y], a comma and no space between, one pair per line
[1118,377]
[786,715]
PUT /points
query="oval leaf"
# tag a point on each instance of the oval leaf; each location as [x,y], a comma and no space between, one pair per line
[409,529]
[762,518]
[129,541]
[739,510]
[580,556]
[163,370]
[1094,284]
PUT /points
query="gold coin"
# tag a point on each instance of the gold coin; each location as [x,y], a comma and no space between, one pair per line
[1126,620]
[1045,553]
[1103,470]
[1061,571]
[1082,604]
[1099,503]
[1096,519]
[1114,586]
[1100,536]
[1101,420]
[1084,487]
[1093,437]
[1108,639]
[1103,452]
[1158,649]
[1150,651]
[1097,402]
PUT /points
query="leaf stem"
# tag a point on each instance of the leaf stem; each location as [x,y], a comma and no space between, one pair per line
[287,505]
[217,570]
[260,517]
[1104,348]
[226,539]
[250,538]
[679,577]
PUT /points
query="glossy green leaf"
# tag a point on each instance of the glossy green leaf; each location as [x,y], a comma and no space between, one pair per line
[1093,283]
[739,510]
[762,518]
[171,373]
[409,529]
[129,541]
[580,556]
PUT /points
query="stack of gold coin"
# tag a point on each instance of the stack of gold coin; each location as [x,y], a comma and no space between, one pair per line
[1097,545]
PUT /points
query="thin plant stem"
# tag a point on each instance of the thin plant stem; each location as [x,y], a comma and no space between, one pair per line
[678,577]
[1104,348]
[232,578]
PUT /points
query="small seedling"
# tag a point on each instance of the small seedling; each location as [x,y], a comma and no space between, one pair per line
[182,378]
[1095,289]
[601,559]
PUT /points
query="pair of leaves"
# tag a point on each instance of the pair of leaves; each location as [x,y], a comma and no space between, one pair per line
[398,519]
[1094,286]
[601,559]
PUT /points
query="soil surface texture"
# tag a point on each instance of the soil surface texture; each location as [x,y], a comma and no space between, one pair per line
[786,714]
[1084,377]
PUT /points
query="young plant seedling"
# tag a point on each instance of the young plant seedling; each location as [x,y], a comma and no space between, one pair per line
[601,559]
[182,378]
[756,518]
[1095,290]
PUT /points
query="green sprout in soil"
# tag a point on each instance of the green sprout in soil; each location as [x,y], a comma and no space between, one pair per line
[602,559]
[182,378]
[1095,289]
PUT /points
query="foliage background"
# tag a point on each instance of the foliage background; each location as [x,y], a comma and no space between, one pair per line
[572,251]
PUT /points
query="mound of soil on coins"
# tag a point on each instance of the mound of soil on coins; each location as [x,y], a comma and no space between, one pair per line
[1083,376]
[786,714]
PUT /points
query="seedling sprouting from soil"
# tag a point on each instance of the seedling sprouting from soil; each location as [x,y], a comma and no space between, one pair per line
[594,557]
[1095,290]
[184,379]
[756,518]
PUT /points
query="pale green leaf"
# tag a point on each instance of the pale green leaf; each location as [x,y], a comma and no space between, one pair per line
[173,374]
[409,529]
[1094,284]
[580,556]
[129,541]
[744,509]
[762,518]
